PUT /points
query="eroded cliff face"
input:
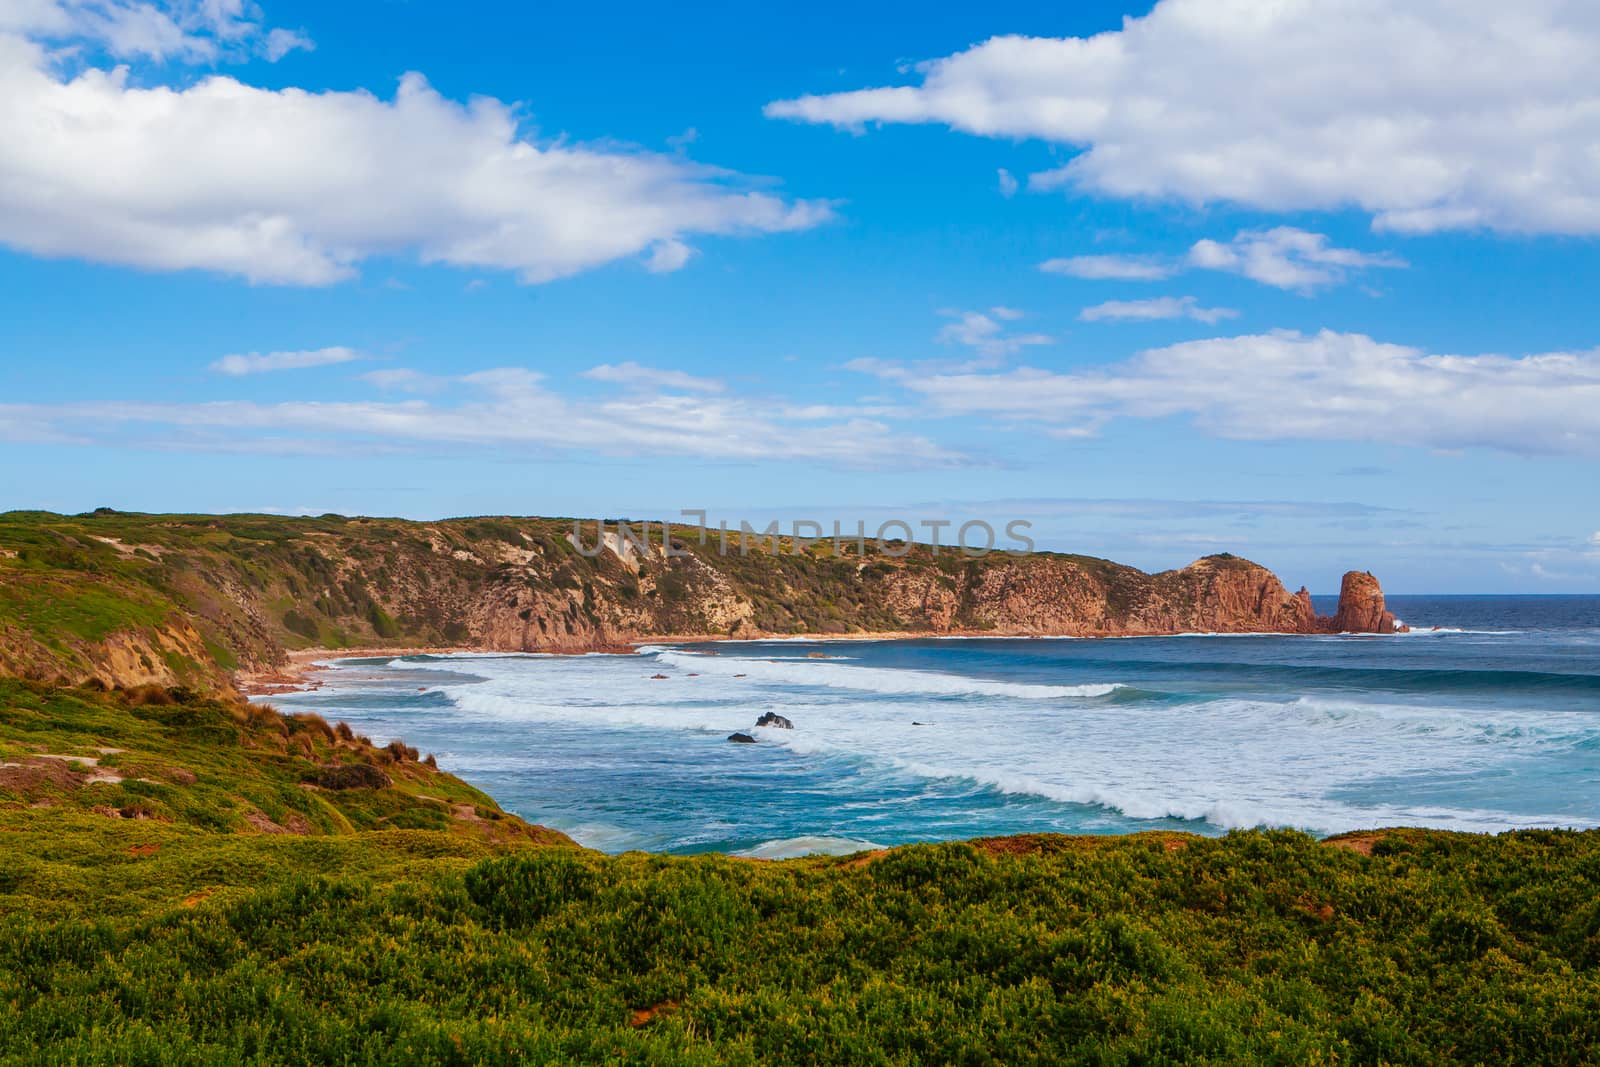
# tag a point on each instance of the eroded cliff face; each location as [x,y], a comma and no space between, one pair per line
[239,591]
[171,655]
[1062,596]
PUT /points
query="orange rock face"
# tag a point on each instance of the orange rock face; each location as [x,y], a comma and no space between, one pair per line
[1361,607]
[1061,595]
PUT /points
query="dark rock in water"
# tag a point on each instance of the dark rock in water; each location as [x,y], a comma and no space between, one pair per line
[775,720]
[657,677]
[742,739]
[916,723]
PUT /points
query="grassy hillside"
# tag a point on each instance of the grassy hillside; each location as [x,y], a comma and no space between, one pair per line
[224,766]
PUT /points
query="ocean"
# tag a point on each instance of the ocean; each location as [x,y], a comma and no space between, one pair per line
[1485,718]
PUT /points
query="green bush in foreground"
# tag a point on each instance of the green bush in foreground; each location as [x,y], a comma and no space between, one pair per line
[1258,946]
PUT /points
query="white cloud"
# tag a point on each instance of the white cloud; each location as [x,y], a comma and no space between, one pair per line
[1288,385]
[1431,115]
[668,256]
[1594,539]
[280,43]
[1008,183]
[508,412]
[1117,268]
[261,363]
[295,187]
[985,334]
[1286,258]
[1163,307]
[635,376]
[193,30]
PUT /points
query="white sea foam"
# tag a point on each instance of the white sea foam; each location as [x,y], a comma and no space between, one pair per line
[1326,761]
[791,847]
[834,675]
[1211,804]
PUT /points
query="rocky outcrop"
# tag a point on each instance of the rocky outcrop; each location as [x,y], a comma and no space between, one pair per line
[1080,597]
[1361,607]
[774,720]
[741,739]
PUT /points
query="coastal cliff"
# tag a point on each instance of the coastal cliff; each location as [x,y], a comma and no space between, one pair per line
[130,600]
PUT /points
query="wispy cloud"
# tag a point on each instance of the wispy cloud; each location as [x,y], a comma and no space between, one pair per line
[986,333]
[405,380]
[501,411]
[1164,307]
[1287,385]
[266,362]
[1283,257]
[1287,258]
[1111,268]
[635,376]
[206,32]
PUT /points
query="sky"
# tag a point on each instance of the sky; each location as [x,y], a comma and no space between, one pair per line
[1309,282]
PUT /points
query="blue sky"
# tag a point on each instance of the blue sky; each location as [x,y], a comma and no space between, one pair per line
[1300,285]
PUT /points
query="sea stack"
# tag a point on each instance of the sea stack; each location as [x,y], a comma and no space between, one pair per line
[1361,607]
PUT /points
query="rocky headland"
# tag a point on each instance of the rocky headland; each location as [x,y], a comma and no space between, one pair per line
[123,600]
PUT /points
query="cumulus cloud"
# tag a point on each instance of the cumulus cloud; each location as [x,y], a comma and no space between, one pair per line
[633,375]
[1163,307]
[263,362]
[1288,385]
[1286,258]
[298,188]
[1111,268]
[1008,183]
[1594,539]
[1431,115]
[505,411]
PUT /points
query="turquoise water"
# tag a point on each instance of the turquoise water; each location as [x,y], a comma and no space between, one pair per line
[1491,721]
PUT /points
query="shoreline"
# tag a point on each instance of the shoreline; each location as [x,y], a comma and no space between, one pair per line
[297,674]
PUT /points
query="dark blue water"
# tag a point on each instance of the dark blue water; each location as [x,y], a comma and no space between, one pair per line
[1489,722]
